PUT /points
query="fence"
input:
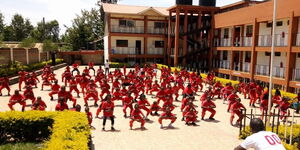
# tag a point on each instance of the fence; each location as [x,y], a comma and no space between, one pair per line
[25,56]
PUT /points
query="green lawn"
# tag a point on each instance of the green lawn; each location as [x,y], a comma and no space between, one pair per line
[21,146]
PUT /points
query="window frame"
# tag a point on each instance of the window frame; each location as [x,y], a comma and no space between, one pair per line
[122,45]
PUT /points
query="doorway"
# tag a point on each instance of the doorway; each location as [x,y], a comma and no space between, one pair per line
[138,47]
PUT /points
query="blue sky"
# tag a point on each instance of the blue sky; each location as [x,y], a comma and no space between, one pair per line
[65,10]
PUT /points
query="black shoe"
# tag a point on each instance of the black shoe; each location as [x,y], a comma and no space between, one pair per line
[0,94]
[103,129]
[182,119]
[113,129]
[151,113]
[202,118]
[125,116]
[96,105]
[156,114]
[51,98]
[194,124]
[211,118]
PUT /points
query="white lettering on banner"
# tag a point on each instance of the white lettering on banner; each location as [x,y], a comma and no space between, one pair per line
[236,73]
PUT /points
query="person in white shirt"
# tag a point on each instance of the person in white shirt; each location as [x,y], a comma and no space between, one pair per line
[260,139]
[106,66]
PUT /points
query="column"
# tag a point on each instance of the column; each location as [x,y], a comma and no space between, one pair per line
[109,38]
[291,57]
[253,51]
[210,41]
[177,24]
[241,60]
[11,55]
[27,56]
[185,37]
[145,31]
[169,38]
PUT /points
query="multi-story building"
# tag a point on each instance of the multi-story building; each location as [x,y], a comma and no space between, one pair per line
[233,40]
[135,33]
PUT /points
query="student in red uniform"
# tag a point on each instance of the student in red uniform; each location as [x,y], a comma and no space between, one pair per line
[252,93]
[264,105]
[217,89]
[117,95]
[46,82]
[66,95]
[143,103]
[73,86]
[75,68]
[236,109]
[104,89]
[161,95]
[190,114]
[228,89]
[154,108]
[91,67]
[137,115]
[232,99]
[208,105]
[155,87]
[55,89]
[28,93]
[108,112]
[188,90]
[17,98]
[22,75]
[89,115]
[127,103]
[39,104]
[167,115]
[4,83]
[284,105]
[61,106]
[91,92]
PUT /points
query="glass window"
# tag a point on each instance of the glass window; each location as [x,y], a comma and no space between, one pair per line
[226,33]
[159,44]
[122,43]
[249,31]
[122,23]
[126,23]
[159,24]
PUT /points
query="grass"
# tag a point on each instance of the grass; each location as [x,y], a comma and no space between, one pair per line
[21,146]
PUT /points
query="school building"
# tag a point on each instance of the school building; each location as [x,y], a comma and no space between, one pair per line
[233,40]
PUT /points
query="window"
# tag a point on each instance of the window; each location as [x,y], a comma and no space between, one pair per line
[249,31]
[269,25]
[122,43]
[267,54]
[298,55]
[159,44]
[126,23]
[248,57]
[277,54]
[225,53]
[226,33]
[159,24]
[279,23]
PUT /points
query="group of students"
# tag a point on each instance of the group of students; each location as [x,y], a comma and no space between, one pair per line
[132,87]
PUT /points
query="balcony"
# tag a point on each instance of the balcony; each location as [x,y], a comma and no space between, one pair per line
[119,29]
[278,72]
[222,42]
[266,40]
[262,70]
[246,67]
[127,51]
[180,52]
[152,30]
[296,74]
[298,40]
[224,64]
[243,41]
[155,51]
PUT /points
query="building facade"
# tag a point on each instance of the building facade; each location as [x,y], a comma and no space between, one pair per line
[233,40]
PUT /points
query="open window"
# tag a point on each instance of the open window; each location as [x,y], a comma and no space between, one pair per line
[122,43]
[159,25]
[159,44]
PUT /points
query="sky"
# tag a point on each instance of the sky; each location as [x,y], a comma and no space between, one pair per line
[65,10]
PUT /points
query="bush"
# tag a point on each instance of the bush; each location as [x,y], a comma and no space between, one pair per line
[296,135]
[70,130]
[119,65]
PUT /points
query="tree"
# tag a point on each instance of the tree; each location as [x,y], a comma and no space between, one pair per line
[86,28]
[8,33]
[2,25]
[46,31]
[48,45]
[27,43]
[108,1]
[21,28]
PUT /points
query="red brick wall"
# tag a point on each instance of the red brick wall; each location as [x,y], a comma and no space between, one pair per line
[19,55]
[33,55]
[4,55]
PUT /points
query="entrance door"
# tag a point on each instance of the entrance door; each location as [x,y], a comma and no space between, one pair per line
[138,47]
[237,39]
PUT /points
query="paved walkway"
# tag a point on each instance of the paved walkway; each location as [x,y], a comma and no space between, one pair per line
[208,135]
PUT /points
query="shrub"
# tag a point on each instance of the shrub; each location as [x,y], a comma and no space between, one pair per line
[70,130]
[119,65]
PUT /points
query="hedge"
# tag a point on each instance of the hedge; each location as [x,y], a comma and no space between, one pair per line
[119,65]
[59,130]
[15,67]
[296,135]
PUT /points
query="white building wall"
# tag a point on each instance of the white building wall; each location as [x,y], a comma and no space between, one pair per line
[262,59]
[131,41]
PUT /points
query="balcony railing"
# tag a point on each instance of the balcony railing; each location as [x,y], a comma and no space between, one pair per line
[296,74]
[246,67]
[180,51]
[222,42]
[225,64]
[127,50]
[155,51]
[119,29]
[153,30]
[236,66]
[262,70]
[266,40]
[279,72]
[298,40]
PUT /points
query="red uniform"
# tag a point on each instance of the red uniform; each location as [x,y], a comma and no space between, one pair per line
[39,105]
[165,115]
[235,109]
[73,87]
[188,91]
[142,105]
[208,106]
[283,107]
[4,84]
[17,99]
[136,115]
[231,100]
[55,89]
[108,109]
[91,92]
[127,102]
[22,76]
[62,107]
[90,117]
[28,93]
[190,115]
[252,92]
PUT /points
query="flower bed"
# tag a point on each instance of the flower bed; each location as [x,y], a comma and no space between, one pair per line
[59,130]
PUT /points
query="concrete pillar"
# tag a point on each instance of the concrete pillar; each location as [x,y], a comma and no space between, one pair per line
[11,54]
[177,24]
[27,55]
